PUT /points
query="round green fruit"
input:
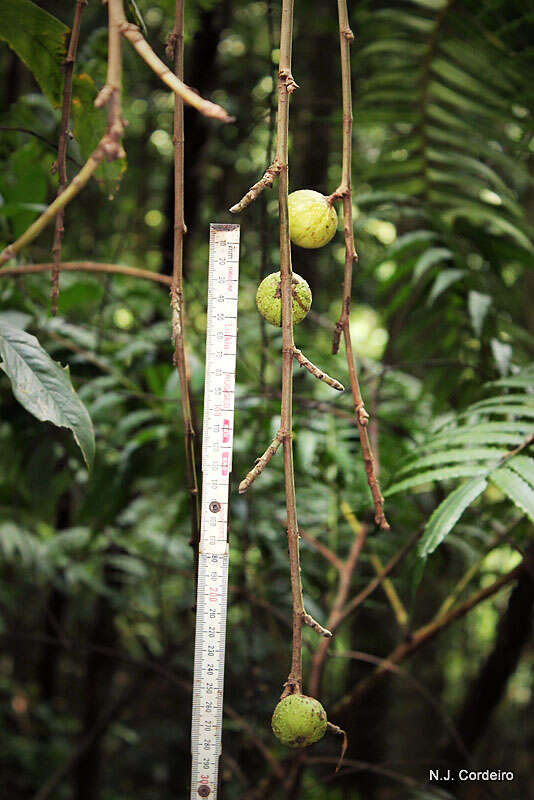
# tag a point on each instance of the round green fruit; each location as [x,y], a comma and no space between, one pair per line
[269,298]
[312,220]
[299,721]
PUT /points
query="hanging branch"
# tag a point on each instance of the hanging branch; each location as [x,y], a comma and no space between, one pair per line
[344,192]
[175,49]
[61,163]
[286,85]
[109,147]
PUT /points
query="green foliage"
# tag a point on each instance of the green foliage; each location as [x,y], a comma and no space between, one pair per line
[40,42]
[43,387]
[97,572]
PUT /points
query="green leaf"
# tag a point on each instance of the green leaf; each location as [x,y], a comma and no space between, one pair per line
[502,353]
[525,380]
[445,473]
[447,514]
[428,259]
[89,125]
[478,305]
[518,490]
[442,283]
[39,39]
[524,466]
[44,388]
[453,457]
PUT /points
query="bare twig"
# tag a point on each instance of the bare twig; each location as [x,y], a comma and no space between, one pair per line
[61,163]
[427,632]
[265,182]
[346,571]
[87,266]
[189,96]
[175,49]
[396,559]
[321,548]
[301,359]
[344,192]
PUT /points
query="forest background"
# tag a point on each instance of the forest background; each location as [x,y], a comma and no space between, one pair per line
[97,573]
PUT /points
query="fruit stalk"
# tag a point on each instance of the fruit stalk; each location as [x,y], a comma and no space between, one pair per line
[285,87]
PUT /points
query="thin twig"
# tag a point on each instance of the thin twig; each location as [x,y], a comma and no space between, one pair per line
[423,691]
[261,463]
[427,632]
[266,181]
[61,162]
[301,359]
[87,266]
[344,191]
[175,50]
[396,559]
[189,96]
[321,548]
[345,577]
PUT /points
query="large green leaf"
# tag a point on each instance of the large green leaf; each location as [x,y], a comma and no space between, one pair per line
[448,513]
[519,492]
[39,39]
[43,387]
[524,466]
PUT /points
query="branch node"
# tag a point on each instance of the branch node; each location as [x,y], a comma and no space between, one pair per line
[314,625]
[348,34]
[287,80]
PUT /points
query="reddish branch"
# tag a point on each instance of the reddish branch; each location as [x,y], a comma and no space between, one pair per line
[427,632]
[344,192]
[61,163]
[87,266]
[175,50]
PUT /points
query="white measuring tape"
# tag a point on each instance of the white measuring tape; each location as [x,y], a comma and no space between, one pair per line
[217,441]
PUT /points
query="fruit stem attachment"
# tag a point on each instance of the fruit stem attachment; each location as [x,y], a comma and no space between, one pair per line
[340,732]
[301,359]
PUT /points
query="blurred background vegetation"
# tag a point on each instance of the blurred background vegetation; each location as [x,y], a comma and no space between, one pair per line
[96,588]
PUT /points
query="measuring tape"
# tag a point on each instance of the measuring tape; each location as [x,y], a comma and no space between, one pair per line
[217,440]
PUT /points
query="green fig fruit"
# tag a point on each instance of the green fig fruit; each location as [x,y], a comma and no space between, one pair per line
[269,298]
[299,721]
[312,220]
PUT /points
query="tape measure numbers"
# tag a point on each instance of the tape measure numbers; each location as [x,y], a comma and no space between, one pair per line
[217,443]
